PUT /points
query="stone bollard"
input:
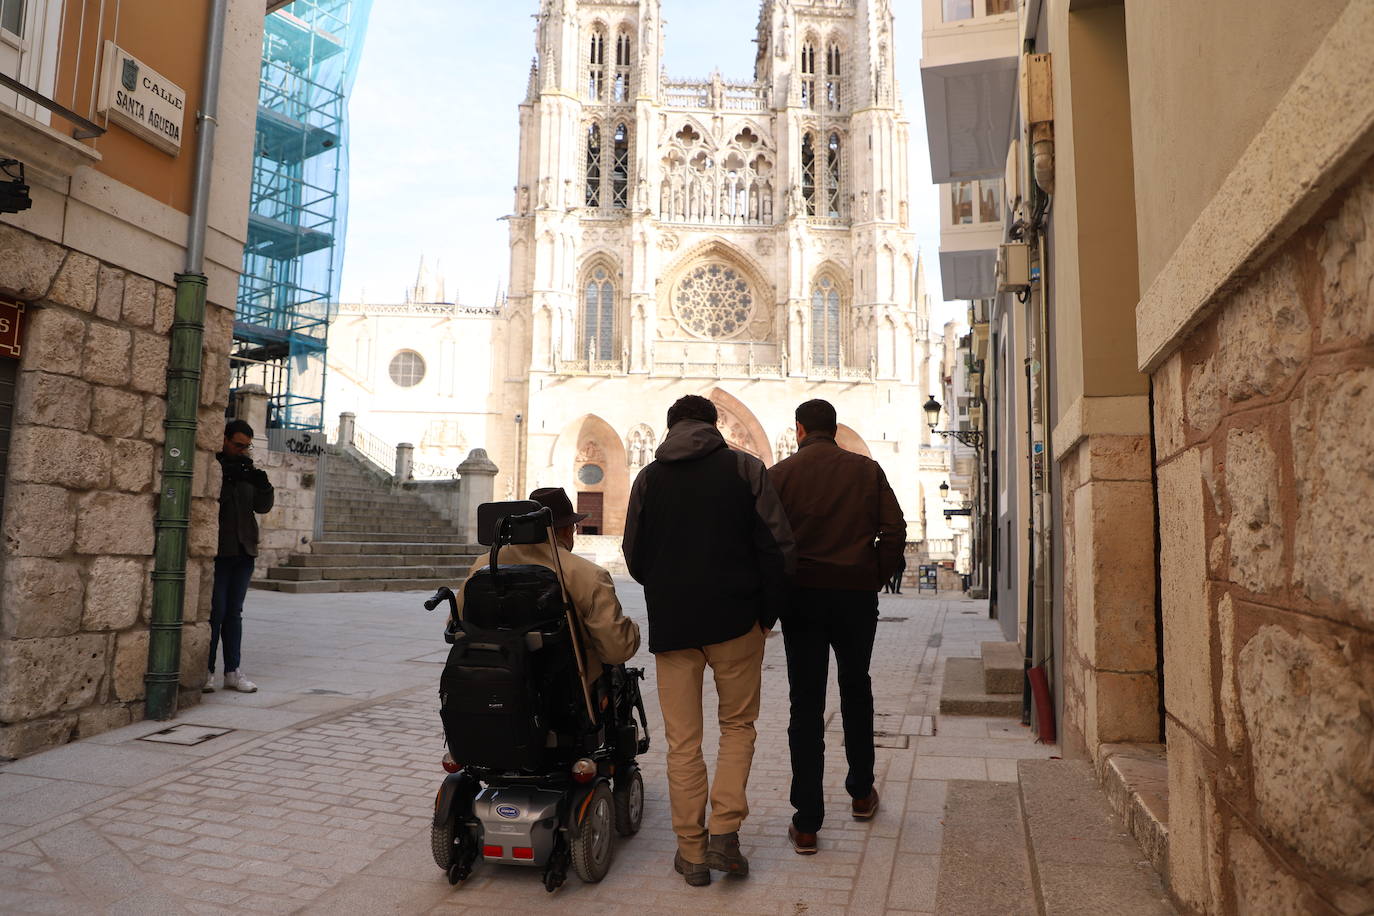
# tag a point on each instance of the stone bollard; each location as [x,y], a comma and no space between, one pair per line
[477,483]
[347,424]
[405,461]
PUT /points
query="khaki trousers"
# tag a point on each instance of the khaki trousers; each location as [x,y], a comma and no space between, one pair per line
[737,667]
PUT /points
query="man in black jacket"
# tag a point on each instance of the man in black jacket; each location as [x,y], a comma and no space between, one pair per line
[244,491]
[706,537]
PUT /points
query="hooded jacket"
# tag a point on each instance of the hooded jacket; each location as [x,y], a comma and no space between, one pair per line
[707,538]
[848,525]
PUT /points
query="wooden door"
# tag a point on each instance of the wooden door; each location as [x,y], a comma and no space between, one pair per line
[591,504]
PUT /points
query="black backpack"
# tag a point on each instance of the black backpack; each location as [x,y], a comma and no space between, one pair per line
[507,675]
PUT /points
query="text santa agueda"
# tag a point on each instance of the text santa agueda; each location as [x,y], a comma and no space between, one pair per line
[142,100]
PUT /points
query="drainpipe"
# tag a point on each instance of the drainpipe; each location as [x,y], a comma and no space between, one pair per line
[183,397]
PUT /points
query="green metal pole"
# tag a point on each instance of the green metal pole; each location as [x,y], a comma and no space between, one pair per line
[174,500]
[183,398]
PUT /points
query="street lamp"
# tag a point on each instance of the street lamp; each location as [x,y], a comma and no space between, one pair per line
[944,490]
[932,409]
[973,438]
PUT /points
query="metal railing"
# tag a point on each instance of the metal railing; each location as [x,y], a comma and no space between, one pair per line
[374,449]
[395,460]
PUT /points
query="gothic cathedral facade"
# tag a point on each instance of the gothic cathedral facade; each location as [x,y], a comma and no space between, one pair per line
[748,241]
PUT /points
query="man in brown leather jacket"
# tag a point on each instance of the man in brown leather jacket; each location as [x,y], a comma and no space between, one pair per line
[849,535]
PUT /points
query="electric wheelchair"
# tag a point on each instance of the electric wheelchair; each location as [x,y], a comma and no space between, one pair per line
[542,769]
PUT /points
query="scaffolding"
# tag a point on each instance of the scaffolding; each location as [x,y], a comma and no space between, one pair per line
[298,206]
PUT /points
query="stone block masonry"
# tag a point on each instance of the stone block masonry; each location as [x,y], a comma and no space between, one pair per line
[1264,428]
[290,527]
[81,494]
[1111,683]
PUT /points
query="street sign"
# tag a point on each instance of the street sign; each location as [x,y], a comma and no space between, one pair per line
[11,328]
[950,513]
[141,100]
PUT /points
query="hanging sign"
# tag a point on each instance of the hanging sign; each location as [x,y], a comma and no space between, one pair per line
[11,327]
[141,100]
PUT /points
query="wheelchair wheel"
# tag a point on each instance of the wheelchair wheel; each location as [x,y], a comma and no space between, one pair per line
[454,850]
[591,846]
[629,801]
[441,845]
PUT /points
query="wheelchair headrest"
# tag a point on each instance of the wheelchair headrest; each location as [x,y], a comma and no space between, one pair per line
[522,521]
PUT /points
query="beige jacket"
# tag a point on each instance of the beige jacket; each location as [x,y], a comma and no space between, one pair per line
[607,635]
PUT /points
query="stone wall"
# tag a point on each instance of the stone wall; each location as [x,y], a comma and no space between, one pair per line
[83,473]
[290,527]
[1111,684]
[1264,432]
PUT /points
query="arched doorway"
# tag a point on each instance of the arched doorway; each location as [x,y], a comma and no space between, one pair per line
[592,456]
[740,427]
[851,441]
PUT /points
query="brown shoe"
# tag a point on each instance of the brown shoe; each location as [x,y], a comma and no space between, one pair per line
[865,808]
[694,873]
[722,854]
[804,844]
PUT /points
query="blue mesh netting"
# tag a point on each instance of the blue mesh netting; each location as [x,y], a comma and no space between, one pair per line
[298,211]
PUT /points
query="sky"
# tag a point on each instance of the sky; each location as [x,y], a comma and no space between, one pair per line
[434,133]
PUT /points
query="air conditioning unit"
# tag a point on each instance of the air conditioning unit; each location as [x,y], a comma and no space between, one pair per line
[1013,267]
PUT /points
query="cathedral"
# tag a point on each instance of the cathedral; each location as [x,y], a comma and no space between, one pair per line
[746,240]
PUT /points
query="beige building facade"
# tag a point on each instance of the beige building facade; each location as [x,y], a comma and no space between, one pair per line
[1199,298]
[90,268]
[748,241]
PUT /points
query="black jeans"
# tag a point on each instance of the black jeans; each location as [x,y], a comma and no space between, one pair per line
[816,621]
[232,575]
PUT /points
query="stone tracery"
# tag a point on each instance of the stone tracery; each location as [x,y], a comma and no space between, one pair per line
[714,300]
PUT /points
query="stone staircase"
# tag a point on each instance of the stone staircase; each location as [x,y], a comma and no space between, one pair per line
[374,539]
[1058,848]
[988,686]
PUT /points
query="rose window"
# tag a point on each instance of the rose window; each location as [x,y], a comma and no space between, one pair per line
[714,300]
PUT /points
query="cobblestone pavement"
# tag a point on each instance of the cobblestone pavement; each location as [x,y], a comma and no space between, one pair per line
[319,799]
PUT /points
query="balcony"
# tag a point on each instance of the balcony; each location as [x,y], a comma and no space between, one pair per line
[970,231]
[968,78]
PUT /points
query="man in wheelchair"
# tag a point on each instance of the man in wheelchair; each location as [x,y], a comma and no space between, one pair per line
[538,709]
[611,637]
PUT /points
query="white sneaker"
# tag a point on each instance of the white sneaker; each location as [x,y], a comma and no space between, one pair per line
[234,680]
[209,683]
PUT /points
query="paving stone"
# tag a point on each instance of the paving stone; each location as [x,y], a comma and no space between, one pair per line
[368,770]
[982,826]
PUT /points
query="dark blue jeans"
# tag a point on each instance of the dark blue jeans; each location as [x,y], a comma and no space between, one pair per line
[232,575]
[816,621]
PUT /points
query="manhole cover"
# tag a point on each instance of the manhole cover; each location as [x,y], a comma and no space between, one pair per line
[186,735]
[321,690]
[892,619]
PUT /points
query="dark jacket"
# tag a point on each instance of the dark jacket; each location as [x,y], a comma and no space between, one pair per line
[849,528]
[706,537]
[244,490]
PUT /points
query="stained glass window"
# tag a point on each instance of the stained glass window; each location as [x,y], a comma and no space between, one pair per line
[598,316]
[825,323]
